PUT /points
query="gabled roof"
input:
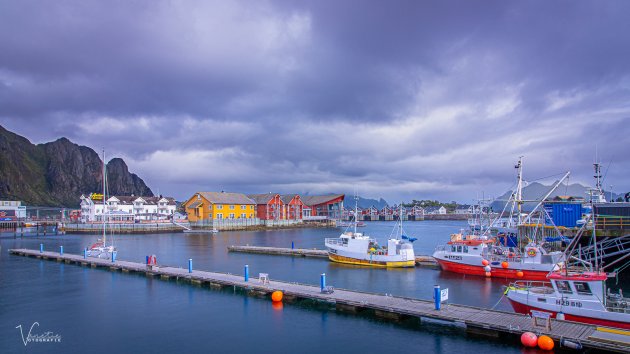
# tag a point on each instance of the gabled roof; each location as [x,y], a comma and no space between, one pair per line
[287,198]
[226,198]
[262,198]
[319,199]
[463,207]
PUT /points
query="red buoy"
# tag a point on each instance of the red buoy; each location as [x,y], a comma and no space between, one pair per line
[485,262]
[519,274]
[276,296]
[529,339]
[505,265]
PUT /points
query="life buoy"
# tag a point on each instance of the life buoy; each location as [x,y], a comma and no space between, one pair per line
[531,252]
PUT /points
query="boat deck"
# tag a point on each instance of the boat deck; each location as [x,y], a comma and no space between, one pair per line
[473,319]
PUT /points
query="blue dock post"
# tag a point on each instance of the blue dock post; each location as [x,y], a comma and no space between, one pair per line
[113,257]
[189,265]
[246,272]
[292,245]
[61,250]
[147,260]
[84,253]
[437,297]
[322,281]
[41,248]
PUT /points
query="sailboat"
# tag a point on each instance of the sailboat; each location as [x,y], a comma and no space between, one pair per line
[354,247]
[101,249]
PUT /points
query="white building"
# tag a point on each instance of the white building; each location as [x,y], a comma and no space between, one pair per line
[127,208]
[11,210]
[433,210]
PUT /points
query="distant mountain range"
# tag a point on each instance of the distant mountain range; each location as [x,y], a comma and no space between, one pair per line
[57,173]
[535,191]
[364,202]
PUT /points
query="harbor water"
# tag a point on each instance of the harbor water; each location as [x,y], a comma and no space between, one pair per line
[97,311]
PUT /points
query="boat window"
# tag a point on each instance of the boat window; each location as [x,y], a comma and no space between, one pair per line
[465,249]
[453,249]
[582,288]
[459,248]
[563,287]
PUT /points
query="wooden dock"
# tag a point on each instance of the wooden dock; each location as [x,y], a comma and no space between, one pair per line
[422,261]
[475,320]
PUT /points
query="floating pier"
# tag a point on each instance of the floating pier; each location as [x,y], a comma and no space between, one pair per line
[422,261]
[497,324]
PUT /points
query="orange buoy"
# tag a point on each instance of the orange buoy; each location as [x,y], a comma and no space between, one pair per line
[485,262]
[529,339]
[488,274]
[505,265]
[276,296]
[519,274]
[545,343]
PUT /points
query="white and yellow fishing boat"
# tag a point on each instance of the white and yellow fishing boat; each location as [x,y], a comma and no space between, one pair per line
[354,247]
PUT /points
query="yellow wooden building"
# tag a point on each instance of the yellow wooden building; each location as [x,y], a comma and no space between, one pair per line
[219,205]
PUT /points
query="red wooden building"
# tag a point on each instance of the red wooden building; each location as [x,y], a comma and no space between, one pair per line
[268,206]
[329,206]
[293,205]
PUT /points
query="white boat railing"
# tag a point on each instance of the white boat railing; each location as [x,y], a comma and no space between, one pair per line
[335,241]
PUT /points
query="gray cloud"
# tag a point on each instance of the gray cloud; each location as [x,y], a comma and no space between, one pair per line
[403,100]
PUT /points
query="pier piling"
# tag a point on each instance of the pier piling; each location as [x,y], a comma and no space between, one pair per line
[246,272]
[322,281]
[190,265]
[437,297]
[61,250]
[41,248]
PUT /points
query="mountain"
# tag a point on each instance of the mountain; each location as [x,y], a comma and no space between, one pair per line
[365,203]
[58,172]
[535,191]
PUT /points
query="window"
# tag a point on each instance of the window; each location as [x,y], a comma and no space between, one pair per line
[220,206]
[243,207]
[232,216]
[219,216]
[243,216]
[563,287]
[582,288]
[459,248]
[251,207]
[231,207]
[465,249]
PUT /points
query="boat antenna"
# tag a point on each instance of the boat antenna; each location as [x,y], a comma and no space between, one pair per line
[519,188]
[356,208]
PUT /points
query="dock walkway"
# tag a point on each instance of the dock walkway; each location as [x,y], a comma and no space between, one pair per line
[423,261]
[473,319]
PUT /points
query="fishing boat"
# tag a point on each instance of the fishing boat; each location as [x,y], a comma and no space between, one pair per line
[100,249]
[572,296]
[479,253]
[579,291]
[354,247]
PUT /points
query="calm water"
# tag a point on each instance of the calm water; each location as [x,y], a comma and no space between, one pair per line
[102,311]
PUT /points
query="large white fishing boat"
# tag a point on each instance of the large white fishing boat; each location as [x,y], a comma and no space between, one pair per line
[101,249]
[354,247]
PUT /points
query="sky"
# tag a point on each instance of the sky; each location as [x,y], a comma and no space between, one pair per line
[399,99]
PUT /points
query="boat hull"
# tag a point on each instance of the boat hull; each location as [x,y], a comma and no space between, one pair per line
[526,309]
[497,272]
[371,263]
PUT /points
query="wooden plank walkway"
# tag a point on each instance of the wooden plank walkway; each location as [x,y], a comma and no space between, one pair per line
[474,319]
[423,261]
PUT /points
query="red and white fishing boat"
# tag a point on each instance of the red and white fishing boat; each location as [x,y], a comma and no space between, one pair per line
[572,296]
[479,254]
[484,258]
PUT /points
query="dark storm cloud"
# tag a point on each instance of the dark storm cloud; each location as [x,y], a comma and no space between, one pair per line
[408,98]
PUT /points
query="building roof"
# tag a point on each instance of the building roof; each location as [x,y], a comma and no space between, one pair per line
[463,207]
[319,199]
[262,198]
[287,198]
[129,199]
[226,198]
[432,208]
[195,204]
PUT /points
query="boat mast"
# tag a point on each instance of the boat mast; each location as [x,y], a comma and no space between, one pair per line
[356,208]
[519,189]
[104,226]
